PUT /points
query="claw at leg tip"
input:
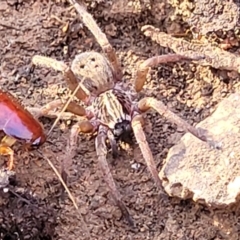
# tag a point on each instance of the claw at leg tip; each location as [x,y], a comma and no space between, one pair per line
[130,221]
[215,145]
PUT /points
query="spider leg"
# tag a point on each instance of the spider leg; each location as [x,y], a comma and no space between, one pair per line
[73,109]
[143,68]
[46,110]
[67,72]
[81,126]
[101,148]
[146,151]
[214,55]
[149,102]
[90,23]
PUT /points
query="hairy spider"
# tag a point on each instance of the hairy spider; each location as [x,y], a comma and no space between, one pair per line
[111,110]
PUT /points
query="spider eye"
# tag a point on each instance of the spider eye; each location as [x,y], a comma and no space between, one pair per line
[93,59]
[82,66]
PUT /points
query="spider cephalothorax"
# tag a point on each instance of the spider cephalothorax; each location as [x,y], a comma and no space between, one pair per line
[110,111]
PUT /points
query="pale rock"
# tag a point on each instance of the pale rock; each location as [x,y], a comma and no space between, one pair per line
[194,169]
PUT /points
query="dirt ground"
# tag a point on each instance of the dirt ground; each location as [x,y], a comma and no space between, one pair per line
[35,207]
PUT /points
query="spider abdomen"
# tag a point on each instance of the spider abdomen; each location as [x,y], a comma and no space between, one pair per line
[112,107]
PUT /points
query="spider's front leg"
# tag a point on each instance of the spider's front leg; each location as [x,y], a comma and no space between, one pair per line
[101,148]
[90,23]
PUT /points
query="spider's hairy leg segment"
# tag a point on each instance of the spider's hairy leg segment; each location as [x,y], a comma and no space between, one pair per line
[101,149]
[144,67]
[56,65]
[48,62]
[47,110]
[146,151]
[81,126]
[90,23]
[76,109]
[149,102]
[164,39]
[70,151]
[86,126]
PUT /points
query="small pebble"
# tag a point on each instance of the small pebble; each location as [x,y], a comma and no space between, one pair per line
[135,166]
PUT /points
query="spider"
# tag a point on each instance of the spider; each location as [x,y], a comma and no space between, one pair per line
[111,110]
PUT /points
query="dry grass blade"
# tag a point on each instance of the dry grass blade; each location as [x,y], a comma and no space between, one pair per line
[68,192]
[65,107]
[56,171]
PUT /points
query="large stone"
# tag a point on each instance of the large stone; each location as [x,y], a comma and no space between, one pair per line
[195,170]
